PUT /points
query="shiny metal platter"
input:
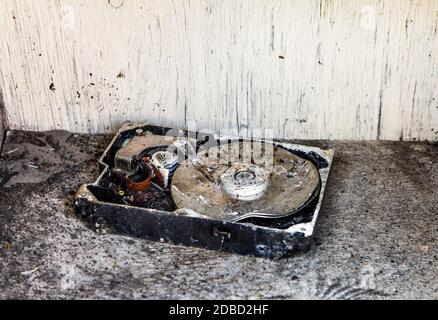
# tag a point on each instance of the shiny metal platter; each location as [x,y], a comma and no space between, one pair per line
[245,179]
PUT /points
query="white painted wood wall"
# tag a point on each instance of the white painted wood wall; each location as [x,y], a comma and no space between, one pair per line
[339,69]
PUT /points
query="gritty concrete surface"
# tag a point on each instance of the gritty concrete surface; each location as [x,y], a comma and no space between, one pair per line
[2,127]
[2,134]
[376,238]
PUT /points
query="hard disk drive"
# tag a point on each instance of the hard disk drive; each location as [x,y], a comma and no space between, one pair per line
[247,196]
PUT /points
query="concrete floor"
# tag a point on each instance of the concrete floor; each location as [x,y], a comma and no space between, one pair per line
[376,238]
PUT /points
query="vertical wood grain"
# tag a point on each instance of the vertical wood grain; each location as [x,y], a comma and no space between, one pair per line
[311,69]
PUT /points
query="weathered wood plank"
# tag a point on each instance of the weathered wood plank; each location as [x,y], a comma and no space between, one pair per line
[2,121]
[306,69]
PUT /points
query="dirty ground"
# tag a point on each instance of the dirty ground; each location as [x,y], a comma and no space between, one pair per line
[376,237]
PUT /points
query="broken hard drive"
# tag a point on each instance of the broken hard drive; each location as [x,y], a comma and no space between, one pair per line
[247,196]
